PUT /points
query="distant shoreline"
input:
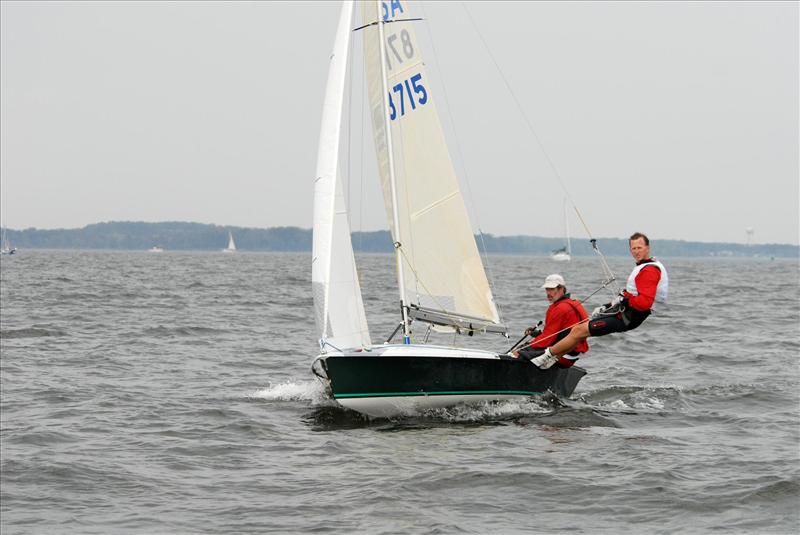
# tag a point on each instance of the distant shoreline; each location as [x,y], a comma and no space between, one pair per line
[199,237]
[575,258]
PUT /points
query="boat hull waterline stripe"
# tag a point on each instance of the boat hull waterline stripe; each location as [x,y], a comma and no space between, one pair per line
[449,393]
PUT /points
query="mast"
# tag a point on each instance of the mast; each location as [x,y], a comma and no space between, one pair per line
[566,228]
[397,238]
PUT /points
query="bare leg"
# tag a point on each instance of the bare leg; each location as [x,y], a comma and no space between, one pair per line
[576,335]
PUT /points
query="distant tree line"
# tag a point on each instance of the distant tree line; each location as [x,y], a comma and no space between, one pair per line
[182,236]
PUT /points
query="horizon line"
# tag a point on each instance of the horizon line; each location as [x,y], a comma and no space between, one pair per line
[379,230]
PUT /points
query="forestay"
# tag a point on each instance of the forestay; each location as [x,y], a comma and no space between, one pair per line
[444,279]
[338,306]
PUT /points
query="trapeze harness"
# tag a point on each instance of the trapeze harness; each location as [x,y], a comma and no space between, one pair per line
[663,283]
[628,318]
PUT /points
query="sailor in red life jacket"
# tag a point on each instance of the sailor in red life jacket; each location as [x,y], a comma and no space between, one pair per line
[562,314]
[647,286]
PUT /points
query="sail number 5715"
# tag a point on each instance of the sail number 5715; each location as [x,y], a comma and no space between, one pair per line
[410,90]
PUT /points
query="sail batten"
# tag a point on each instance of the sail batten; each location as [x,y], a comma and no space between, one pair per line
[436,203]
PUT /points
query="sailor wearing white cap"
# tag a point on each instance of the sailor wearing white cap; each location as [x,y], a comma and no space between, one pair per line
[562,314]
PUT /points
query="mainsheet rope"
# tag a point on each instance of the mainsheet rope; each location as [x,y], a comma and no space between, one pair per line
[609,275]
[585,320]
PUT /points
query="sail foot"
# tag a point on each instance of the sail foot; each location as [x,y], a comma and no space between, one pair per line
[462,324]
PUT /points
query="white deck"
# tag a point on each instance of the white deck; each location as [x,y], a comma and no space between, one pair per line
[416,350]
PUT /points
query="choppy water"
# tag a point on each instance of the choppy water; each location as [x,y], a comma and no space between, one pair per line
[171,393]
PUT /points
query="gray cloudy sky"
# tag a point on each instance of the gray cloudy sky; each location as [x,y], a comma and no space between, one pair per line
[679,119]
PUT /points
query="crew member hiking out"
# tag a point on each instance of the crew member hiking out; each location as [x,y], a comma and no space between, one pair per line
[647,286]
[562,314]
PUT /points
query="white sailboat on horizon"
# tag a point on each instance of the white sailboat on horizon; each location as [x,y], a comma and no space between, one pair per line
[7,249]
[231,248]
[565,253]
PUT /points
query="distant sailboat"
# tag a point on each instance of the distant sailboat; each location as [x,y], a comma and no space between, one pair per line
[7,249]
[231,248]
[565,253]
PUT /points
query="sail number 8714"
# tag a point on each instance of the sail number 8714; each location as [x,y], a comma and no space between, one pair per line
[410,90]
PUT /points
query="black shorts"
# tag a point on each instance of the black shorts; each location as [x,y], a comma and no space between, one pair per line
[620,322]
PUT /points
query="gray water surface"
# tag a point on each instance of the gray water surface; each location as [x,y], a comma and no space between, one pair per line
[171,393]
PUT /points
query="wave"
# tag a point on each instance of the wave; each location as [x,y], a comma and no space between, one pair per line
[80,297]
[545,411]
[165,332]
[489,411]
[31,332]
[571,418]
[633,398]
[777,491]
[40,438]
[330,416]
[311,390]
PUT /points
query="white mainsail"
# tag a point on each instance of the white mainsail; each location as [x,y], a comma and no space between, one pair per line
[338,307]
[443,272]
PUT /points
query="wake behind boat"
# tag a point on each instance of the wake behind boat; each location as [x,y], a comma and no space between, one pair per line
[440,274]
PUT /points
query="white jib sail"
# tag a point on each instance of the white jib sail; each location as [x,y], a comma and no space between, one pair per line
[443,269]
[338,307]
[231,243]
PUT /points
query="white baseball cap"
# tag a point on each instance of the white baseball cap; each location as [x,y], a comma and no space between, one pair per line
[554,280]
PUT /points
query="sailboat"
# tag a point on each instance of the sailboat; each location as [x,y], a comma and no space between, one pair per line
[7,248]
[565,253]
[440,275]
[231,248]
